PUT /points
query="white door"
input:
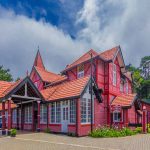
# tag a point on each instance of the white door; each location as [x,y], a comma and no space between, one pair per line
[65,116]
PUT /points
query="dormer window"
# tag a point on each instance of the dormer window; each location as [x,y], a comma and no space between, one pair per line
[80,71]
[114,74]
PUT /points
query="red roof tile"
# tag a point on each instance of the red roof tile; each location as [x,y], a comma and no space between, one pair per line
[66,89]
[109,54]
[124,100]
[82,59]
[6,87]
[48,76]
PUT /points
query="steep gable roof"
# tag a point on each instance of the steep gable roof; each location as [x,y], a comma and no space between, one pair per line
[38,62]
[82,59]
[68,89]
[109,54]
[48,76]
[6,87]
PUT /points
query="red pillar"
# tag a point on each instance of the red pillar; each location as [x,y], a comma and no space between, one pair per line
[38,126]
[127,120]
[3,117]
[78,117]
[9,114]
[144,120]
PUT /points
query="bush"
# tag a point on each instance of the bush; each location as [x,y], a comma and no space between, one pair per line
[138,130]
[47,130]
[111,132]
[13,132]
[71,134]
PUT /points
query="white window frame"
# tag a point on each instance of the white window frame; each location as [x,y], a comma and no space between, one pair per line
[121,87]
[6,116]
[114,74]
[116,120]
[56,113]
[80,73]
[28,114]
[72,114]
[14,116]
[87,109]
[43,114]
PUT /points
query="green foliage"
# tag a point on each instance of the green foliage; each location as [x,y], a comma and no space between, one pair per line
[47,130]
[111,132]
[71,134]
[5,74]
[144,59]
[13,132]
[138,130]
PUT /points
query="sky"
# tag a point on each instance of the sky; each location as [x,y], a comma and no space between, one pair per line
[66,29]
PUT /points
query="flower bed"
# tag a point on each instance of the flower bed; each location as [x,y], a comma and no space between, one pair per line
[112,132]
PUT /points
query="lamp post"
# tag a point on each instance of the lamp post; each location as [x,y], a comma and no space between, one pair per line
[91,94]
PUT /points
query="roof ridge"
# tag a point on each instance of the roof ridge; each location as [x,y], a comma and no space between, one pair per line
[82,56]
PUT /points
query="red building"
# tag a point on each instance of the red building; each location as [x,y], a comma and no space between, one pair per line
[65,103]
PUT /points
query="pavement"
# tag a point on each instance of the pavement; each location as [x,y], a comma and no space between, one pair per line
[44,141]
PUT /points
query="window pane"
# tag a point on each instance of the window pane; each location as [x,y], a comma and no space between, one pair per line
[58,112]
[72,111]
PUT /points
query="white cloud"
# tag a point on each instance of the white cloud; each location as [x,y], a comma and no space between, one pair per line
[114,22]
[20,37]
[106,23]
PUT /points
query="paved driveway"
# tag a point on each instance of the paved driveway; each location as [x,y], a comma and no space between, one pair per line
[43,141]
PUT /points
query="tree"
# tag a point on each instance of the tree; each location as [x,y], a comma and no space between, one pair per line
[144,59]
[5,74]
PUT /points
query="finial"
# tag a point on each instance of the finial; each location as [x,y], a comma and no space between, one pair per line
[38,47]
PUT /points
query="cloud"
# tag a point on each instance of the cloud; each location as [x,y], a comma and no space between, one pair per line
[20,37]
[100,24]
[109,23]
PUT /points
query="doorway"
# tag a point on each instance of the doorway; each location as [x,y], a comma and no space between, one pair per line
[65,116]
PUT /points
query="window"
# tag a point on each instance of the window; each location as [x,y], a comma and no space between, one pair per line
[114,75]
[52,113]
[80,70]
[43,113]
[55,112]
[72,111]
[85,110]
[127,88]
[36,84]
[14,115]
[28,114]
[121,87]
[116,116]
[58,112]
[6,116]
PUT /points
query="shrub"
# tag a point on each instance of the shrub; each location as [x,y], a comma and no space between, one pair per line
[47,130]
[138,130]
[13,132]
[71,134]
[111,132]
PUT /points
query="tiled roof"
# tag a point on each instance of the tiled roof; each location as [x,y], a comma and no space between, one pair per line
[48,76]
[83,58]
[146,101]
[124,100]
[6,105]
[6,87]
[66,89]
[109,54]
